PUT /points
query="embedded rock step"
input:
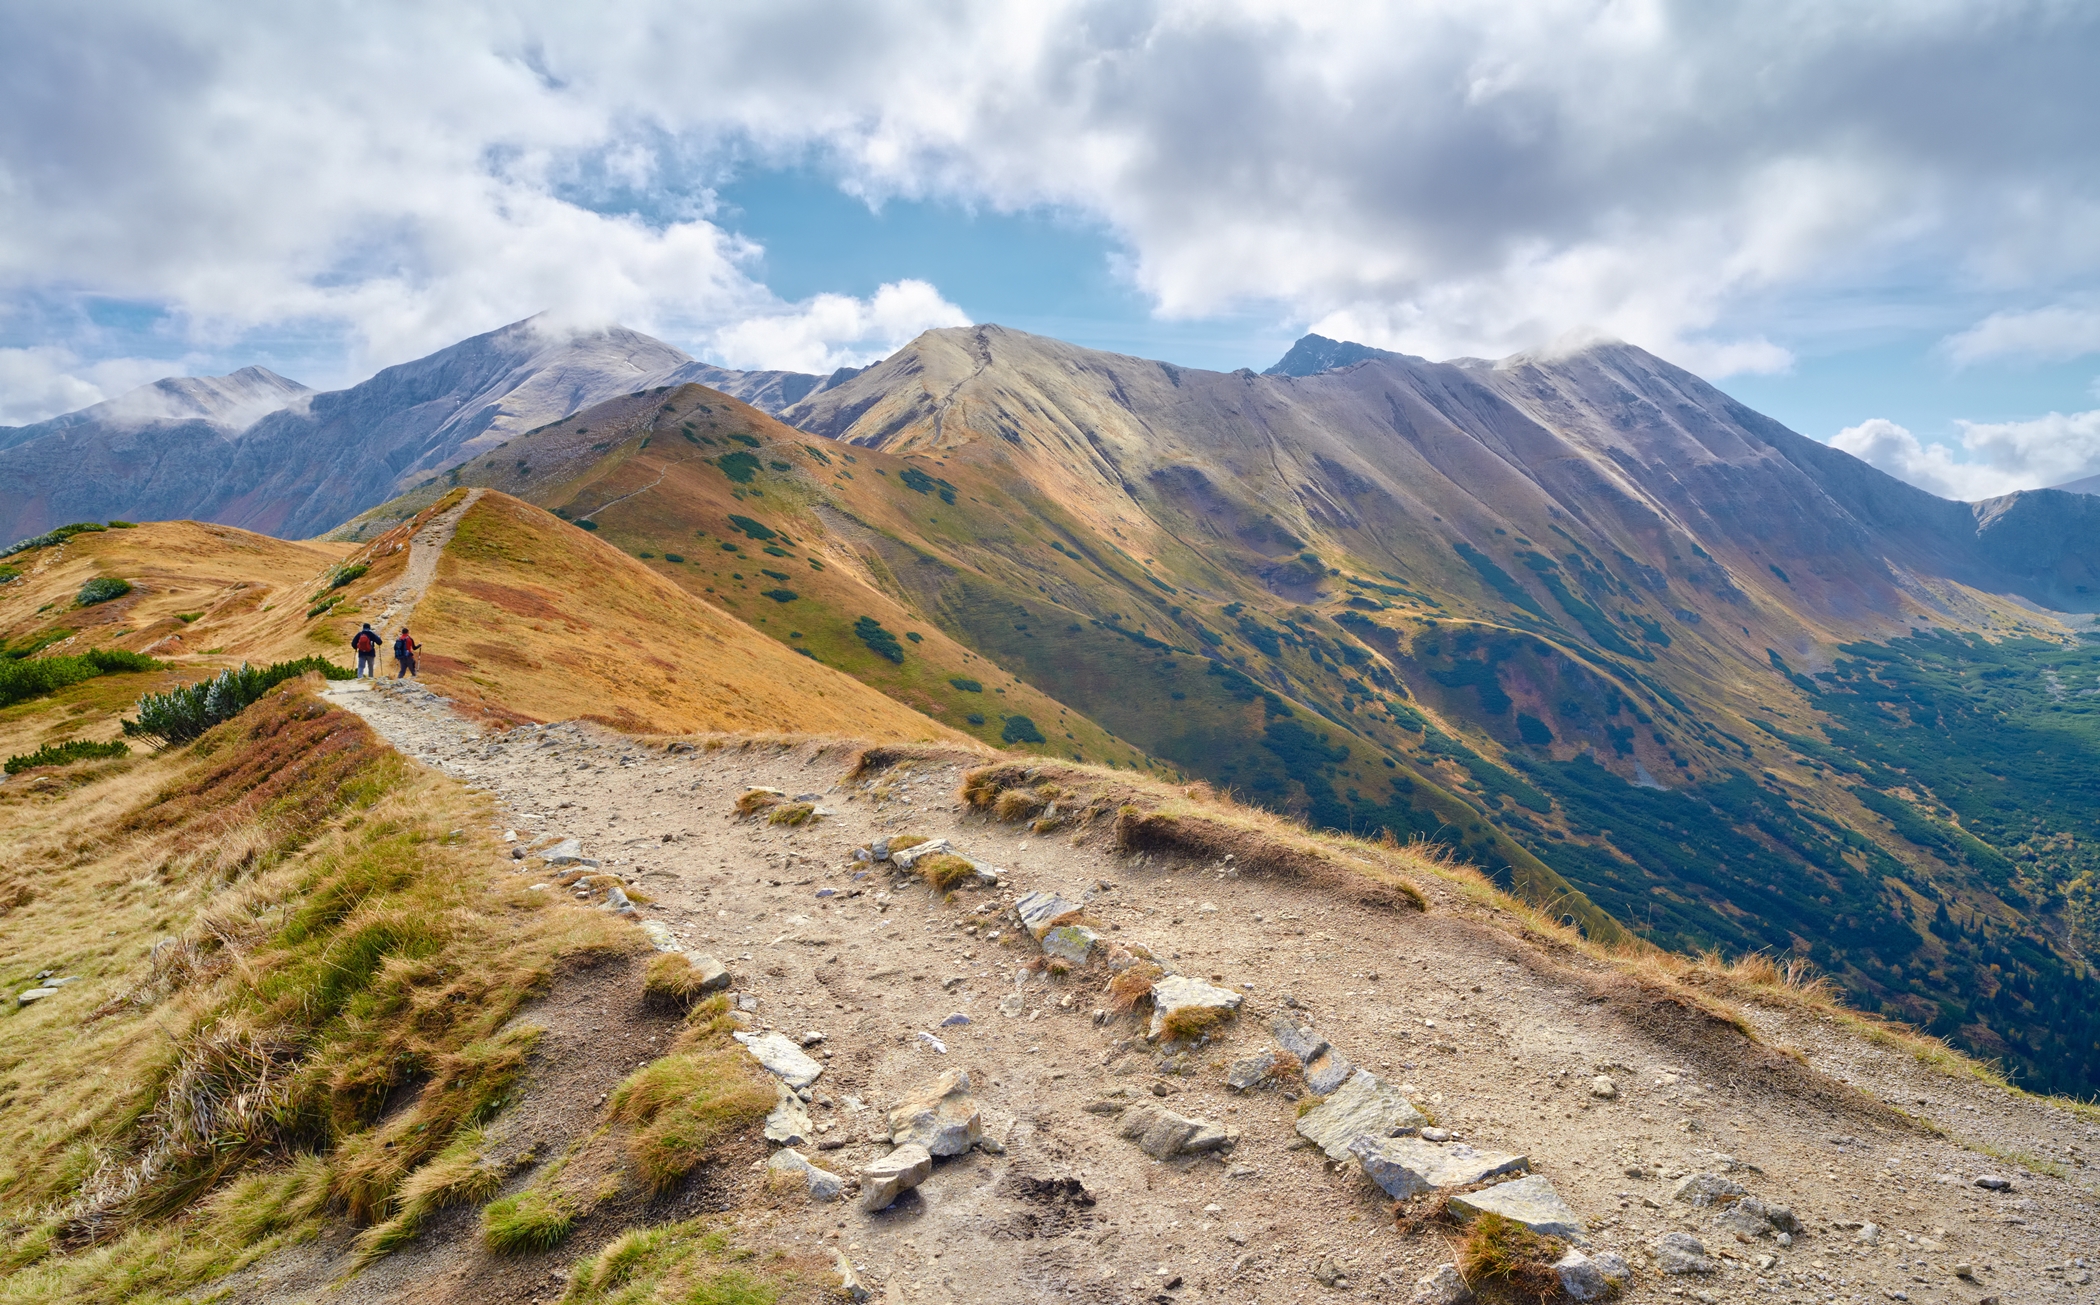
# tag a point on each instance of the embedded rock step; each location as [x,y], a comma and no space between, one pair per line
[781,1057]
[792,1166]
[1406,1166]
[904,858]
[1682,1253]
[1040,912]
[1529,1201]
[1174,993]
[1071,942]
[1162,1134]
[1365,1106]
[789,1123]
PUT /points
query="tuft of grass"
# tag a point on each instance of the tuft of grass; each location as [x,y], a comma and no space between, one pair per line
[792,813]
[670,983]
[944,871]
[754,800]
[1505,1252]
[1191,1023]
[1133,986]
[531,1221]
[456,1176]
[695,1263]
[684,1105]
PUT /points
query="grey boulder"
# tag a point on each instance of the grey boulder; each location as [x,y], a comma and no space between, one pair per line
[883,1181]
[942,1118]
[1587,1277]
[1704,1189]
[1681,1253]
[1162,1134]
[788,1124]
[1178,992]
[1040,911]
[1443,1287]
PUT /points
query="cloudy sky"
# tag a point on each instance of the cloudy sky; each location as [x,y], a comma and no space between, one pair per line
[1878,222]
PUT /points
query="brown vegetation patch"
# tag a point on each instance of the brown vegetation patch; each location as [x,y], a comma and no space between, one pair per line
[1503,1254]
[536,603]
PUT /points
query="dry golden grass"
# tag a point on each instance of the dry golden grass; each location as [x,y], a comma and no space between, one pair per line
[754,800]
[337,931]
[681,1107]
[1505,1256]
[1193,1023]
[1133,986]
[531,616]
[671,984]
[943,871]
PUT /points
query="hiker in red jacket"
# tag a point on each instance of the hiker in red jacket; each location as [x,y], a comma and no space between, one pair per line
[366,642]
[405,654]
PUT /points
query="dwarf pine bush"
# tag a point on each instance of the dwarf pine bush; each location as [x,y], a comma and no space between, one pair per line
[183,714]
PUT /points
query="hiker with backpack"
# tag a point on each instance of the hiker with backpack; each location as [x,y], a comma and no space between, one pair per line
[366,643]
[405,654]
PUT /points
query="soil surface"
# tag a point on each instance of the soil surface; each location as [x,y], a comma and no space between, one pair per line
[1501,1039]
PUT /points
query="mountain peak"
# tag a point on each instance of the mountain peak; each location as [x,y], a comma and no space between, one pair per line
[1313,354]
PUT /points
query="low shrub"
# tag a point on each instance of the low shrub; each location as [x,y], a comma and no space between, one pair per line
[60,754]
[1020,729]
[182,715]
[671,984]
[101,589]
[674,557]
[754,800]
[50,537]
[21,679]
[792,813]
[1133,986]
[1191,1023]
[343,575]
[965,684]
[531,1221]
[883,643]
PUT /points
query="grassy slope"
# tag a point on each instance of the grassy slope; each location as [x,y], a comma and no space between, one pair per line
[651,486]
[536,617]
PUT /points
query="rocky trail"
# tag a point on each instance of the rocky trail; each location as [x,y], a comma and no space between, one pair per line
[1106,1167]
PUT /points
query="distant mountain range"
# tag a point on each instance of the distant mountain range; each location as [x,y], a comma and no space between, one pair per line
[254,449]
[1641,653]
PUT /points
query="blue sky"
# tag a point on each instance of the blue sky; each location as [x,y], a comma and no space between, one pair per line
[1878,223]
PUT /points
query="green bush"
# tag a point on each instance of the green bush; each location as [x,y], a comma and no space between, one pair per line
[58,536]
[102,589]
[781,595]
[588,525]
[181,715]
[674,557]
[756,529]
[343,575]
[10,574]
[965,683]
[1020,729]
[59,754]
[881,642]
[29,679]
[738,466]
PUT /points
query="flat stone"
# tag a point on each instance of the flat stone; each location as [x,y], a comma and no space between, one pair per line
[713,975]
[1174,992]
[1365,1106]
[886,1179]
[821,1184]
[1209,1137]
[1406,1166]
[1327,1071]
[906,857]
[1296,1039]
[1443,1287]
[1040,911]
[1251,1072]
[1159,1133]
[781,1057]
[1529,1201]
[1073,942]
[30,995]
[849,1279]
[659,935]
[1682,1253]
[1754,1218]
[943,1118]
[1869,1234]
[1602,1088]
[1988,1182]
[1587,1278]
[567,852]
[618,902]
[1704,1189]
[789,1124]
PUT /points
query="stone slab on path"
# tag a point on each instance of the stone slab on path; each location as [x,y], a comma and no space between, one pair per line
[1407,1166]
[1365,1106]
[1529,1201]
[781,1057]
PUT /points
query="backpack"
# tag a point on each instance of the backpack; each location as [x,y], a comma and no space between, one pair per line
[401,648]
[366,642]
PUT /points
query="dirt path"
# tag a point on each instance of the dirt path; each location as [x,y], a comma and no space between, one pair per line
[1501,1041]
[424,550]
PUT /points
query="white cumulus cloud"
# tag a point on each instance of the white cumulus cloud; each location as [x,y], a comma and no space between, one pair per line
[44,380]
[2000,456]
[2052,334]
[833,331]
